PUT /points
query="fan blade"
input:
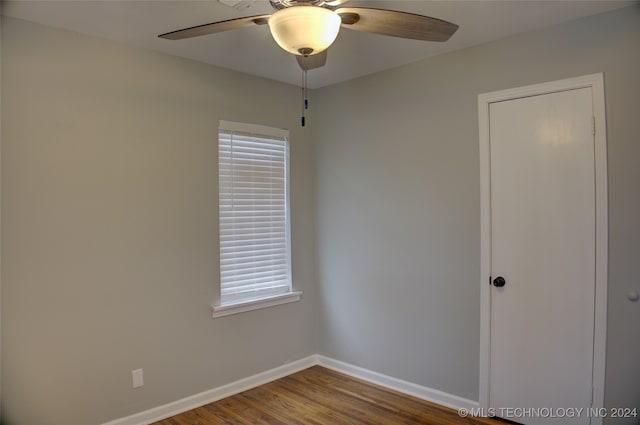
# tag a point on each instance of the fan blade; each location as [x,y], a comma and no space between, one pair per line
[396,24]
[334,3]
[312,61]
[216,27]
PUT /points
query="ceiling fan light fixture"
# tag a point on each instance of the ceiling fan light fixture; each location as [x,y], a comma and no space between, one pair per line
[304,30]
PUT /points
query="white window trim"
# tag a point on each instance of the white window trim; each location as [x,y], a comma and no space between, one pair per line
[253,128]
[243,306]
[221,310]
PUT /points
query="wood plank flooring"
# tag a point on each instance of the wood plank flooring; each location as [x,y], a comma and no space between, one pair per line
[320,396]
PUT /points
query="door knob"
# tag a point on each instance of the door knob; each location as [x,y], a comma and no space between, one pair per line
[499,282]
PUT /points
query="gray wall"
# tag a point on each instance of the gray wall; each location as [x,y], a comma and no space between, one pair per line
[398,203]
[0,214]
[109,195]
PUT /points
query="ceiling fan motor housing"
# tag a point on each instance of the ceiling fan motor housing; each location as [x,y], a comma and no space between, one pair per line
[282,4]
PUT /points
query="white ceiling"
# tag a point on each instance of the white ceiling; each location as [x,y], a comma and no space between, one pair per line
[253,51]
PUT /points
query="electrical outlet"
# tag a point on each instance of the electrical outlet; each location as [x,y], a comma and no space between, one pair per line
[137,378]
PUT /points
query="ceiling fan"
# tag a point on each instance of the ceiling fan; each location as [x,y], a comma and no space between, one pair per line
[306,28]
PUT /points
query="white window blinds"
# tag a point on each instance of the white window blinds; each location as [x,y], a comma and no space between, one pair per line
[255,258]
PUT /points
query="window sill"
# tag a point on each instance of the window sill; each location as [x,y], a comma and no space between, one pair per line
[241,307]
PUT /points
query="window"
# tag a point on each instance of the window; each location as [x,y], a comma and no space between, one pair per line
[255,248]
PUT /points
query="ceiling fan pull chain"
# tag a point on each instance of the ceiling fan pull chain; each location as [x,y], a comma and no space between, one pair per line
[305,101]
[306,91]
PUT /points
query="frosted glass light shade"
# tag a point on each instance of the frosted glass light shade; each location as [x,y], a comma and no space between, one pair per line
[304,30]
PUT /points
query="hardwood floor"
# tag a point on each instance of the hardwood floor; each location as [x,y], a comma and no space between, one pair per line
[321,396]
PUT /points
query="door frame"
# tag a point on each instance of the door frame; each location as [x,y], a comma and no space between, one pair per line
[596,83]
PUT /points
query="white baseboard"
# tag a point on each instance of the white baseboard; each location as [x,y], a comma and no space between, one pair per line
[415,390]
[176,407]
[206,397]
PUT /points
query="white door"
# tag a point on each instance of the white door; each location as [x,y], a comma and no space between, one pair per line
[543,228]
